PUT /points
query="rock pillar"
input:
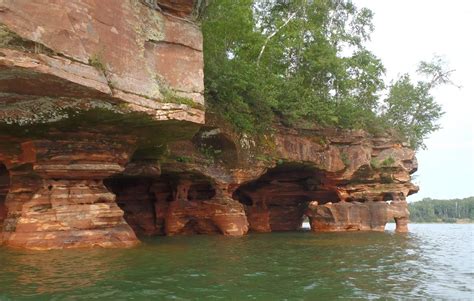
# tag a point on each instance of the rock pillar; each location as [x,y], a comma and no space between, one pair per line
[398,210]
[228,214]
[258,214]
[57,198]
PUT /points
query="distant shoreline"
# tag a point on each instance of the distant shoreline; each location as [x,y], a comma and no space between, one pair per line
[441,222]
[455,211]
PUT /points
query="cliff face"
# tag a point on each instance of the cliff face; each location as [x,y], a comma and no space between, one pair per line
[88,54]
[103,139]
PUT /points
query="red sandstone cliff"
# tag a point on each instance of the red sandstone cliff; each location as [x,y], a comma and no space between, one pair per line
[102,139]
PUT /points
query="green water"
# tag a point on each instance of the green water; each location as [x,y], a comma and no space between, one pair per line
[431,262]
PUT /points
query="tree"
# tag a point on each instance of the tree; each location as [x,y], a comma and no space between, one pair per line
[411,108]
[431,210]
[295,60]
[233,86]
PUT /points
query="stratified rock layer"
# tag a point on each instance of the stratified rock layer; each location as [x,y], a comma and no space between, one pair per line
[350,175]
[83,85]
[70,214]
[212,183]
[90,53]
[178,203]
[356,216]
[56,196]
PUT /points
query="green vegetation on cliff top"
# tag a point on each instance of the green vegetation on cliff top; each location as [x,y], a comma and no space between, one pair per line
[447,211]
[305,63]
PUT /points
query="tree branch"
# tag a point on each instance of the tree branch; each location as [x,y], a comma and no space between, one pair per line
[291,17]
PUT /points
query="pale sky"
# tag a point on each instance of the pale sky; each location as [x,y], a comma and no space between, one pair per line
[408,31]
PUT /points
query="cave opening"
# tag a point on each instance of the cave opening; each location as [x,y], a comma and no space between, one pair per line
[212,143]
[134,197]
[155,205]
[278,200]
[4,188]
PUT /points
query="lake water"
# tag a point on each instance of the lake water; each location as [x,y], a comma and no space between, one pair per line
[433,261]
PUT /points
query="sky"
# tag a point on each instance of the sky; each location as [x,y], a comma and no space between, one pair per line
[409,31]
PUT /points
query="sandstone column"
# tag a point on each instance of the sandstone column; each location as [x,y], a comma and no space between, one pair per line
[258,214]
[177,216]
[227,213]
[58,199]
[398,210]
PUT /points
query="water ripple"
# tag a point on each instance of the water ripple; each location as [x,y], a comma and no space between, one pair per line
[431,262]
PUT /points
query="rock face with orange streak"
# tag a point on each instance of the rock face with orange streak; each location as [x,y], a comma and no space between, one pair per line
[181,8]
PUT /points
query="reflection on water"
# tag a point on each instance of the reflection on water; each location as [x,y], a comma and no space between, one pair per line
[433,261]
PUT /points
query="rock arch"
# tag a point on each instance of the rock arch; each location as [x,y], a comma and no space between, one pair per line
[278,199]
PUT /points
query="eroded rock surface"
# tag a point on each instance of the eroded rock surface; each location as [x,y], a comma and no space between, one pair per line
[357,216]
[209,183]
[90,53]
[350,175]
[178,203]
[56,196]
[71,214]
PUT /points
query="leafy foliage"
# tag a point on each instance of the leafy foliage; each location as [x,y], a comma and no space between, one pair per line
[430,210]
[304,61]
[411,109]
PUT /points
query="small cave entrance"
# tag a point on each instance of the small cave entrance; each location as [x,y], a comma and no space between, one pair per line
[213,143]
[278,200]
[4,188]
[152,204]
[134,197]
[200,190]
[199,226]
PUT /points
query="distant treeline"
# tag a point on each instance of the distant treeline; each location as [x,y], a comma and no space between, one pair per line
[447,211]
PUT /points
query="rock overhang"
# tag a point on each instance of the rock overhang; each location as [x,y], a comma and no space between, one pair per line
[129,57]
